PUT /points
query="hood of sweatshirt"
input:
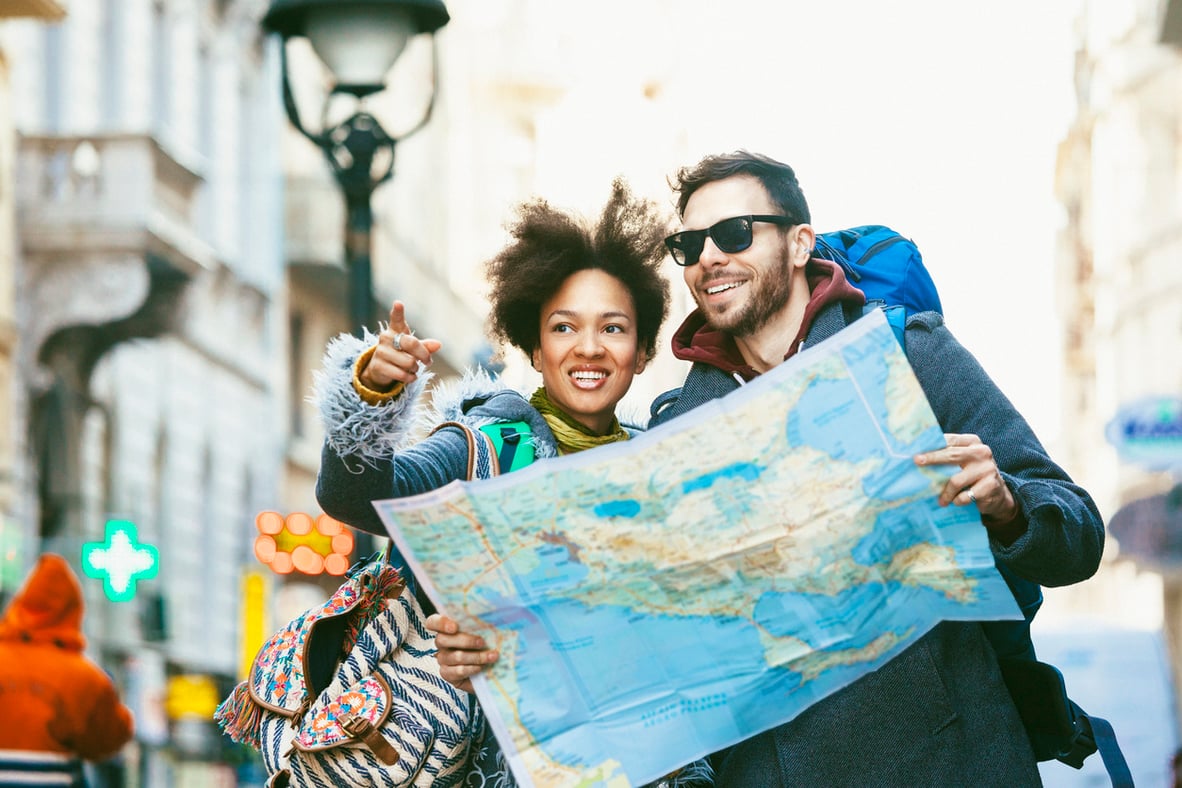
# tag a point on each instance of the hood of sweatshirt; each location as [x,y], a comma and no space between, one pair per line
[696,341]
[48,607]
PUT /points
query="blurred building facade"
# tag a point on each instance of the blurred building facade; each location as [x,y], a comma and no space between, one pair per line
[14,535]
[1119,292]
[150,310]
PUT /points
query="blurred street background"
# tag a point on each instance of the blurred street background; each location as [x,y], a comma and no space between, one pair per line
[175,254]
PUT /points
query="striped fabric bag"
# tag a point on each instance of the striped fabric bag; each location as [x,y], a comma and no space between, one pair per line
[349,693]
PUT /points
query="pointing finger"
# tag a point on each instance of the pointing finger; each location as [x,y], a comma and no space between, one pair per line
[398,318]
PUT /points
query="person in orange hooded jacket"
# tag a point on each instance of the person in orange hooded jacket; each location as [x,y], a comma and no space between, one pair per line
[57,707]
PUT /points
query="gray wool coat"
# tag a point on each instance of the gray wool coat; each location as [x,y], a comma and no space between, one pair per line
[938,714]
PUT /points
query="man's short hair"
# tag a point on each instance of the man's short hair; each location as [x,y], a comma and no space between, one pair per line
[777,178]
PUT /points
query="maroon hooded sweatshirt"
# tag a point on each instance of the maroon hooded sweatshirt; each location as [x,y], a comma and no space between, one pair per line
[696,341]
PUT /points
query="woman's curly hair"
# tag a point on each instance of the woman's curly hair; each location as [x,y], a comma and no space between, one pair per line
[549,245]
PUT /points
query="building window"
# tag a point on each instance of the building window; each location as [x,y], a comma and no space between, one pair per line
[55,77]
[162,86]
[295,383]
[208,558]
[158,525]
[205,106]
[112,92]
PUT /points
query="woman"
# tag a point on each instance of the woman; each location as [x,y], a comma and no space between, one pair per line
[585,304]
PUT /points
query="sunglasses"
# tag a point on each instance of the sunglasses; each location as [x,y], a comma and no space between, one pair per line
[730,236]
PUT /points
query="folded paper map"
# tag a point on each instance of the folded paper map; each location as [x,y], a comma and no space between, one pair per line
[659,599]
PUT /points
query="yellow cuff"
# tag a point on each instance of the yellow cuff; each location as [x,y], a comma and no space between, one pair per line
[368,395]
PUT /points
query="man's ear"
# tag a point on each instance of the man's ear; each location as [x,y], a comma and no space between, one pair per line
[804,238]
[641,363]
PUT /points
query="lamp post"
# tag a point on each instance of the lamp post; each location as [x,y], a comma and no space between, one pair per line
[358,40]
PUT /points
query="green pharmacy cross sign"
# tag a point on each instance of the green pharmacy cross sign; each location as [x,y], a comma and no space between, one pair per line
[121,560]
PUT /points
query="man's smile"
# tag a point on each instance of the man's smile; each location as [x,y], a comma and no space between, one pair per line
[723,287]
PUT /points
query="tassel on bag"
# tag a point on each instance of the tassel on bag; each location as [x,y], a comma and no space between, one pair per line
[240,717]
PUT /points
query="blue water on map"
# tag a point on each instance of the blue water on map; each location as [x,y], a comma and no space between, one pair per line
[744,471]
[890,483]
[632,687]
[868,363]
[555,570]
[896,529]
[827,419]
[820,618]
[626,507]
[847,433]
[732,507]
[578,636]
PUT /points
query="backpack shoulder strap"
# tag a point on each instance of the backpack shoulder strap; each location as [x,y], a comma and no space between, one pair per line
[482,459]
[1110,752]
[896,315]
[512,442]
[1057,727]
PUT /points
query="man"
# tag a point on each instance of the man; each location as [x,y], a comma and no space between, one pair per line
[939,713]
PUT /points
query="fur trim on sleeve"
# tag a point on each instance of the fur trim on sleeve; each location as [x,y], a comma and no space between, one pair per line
[450,400]
[632,417]
[352,427]
[448,397]
[698,774]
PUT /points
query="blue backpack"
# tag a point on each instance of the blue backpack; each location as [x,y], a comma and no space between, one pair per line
[888,268]
[882,264]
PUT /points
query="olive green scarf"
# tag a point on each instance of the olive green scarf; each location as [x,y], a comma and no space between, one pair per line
[570,434]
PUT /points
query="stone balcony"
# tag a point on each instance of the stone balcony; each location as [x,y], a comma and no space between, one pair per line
[107,241]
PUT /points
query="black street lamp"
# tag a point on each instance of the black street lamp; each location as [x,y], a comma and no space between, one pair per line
[358,40]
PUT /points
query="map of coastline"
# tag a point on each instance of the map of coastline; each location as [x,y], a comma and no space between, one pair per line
[659,599]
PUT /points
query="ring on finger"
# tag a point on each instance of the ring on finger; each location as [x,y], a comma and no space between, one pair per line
[398,342]
[972,496]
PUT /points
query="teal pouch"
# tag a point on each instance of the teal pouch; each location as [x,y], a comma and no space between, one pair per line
[513,444]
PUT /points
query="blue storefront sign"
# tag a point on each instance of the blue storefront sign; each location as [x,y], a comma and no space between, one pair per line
[1148,432]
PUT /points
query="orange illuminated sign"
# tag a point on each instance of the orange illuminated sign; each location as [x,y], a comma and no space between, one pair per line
[299,543]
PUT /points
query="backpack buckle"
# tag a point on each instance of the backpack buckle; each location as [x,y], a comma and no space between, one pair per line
[1082,744]
[363,730]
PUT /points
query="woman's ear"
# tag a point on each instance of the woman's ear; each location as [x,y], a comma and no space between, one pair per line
[535,359]
[641,363]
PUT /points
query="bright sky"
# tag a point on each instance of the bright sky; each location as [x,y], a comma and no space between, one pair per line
[940,119]
[946,128]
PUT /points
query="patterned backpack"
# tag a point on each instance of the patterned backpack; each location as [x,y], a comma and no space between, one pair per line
[349,693]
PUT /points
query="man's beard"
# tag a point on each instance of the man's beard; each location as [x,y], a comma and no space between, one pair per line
[768,298]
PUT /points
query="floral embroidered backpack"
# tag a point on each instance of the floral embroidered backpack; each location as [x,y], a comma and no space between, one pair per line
[349,693]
